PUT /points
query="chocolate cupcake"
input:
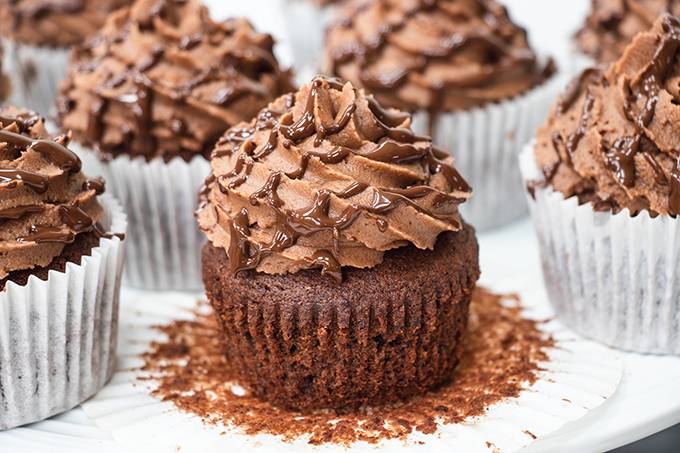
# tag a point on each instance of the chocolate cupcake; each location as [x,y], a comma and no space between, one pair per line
[61,254]
[604,176]
[468,75]
[147,99]
[337,263]
[38,35]
[612,24]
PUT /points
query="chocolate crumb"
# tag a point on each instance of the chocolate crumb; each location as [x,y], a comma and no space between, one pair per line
[501,357]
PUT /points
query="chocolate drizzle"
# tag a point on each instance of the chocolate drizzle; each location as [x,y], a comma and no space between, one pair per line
[499,45]
[216,84]
[635,147]
[332,213]
[59,205]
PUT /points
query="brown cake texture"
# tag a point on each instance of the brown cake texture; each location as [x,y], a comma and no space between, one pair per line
[338,264]
[389,332]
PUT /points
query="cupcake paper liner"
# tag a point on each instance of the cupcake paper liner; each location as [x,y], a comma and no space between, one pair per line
[163,250]
[485,143]
[306,23]
[611,277]
[35,73]
[580,376]
[58,336]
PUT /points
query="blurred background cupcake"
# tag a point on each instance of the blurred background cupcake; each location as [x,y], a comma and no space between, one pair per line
[612,24]
[604,180]
[61,256]
[38,35]
[306,22]
[147,99]
[468,75]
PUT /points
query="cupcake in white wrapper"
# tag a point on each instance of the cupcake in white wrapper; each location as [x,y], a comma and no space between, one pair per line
[58,336]
[472,83]
[604,185]
[38,40]
[61,258]
[147,106]
[610,277]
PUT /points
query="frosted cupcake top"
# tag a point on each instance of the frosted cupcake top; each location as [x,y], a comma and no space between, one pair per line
[326,178]
[435,55]
[54,23]
[46,202]
[612,25]
[162,79]
[614,137]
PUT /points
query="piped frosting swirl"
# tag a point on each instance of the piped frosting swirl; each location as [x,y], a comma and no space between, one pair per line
[54,23]
[613,137]
[45,200]
[162,79]
[434,55]
[612,25]
[326,178]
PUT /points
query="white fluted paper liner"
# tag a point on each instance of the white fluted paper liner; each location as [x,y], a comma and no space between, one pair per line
[163,250]
[580,376]
[58,336]
[613,278]
[485,143]
[306,23]
[35,73]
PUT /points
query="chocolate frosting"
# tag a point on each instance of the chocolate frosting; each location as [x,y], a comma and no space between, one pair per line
[614,137]
[163,79]
[45,200]
[326,178]
[54,23]
[434,55]
[612,25]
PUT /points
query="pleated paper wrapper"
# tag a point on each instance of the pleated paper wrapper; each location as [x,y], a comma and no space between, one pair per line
[580,376]
[35,73]
[485,143]
[163,250]
[58,336]
[611,277]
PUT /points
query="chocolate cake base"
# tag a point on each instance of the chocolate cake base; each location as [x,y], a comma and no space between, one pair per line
[304,342]
[72,253]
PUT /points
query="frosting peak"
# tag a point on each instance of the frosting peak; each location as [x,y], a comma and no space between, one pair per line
[45,200]
[434,55]
[162,79]
[326,178]
[613,138]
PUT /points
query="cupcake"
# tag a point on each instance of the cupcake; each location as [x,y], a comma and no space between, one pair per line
[468,75]
[306,22]
[61,250]
[146,100]
[604,179]
[612,24]
[338,265]
[38,35]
